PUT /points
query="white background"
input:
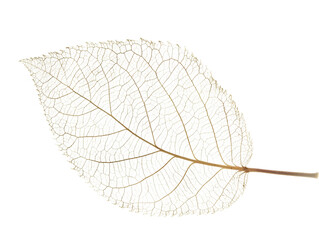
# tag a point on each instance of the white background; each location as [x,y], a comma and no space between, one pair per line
[265,53]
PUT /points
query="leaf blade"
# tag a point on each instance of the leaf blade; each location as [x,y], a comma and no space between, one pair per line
[128,114]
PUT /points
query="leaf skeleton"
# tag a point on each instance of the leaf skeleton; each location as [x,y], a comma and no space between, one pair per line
[146,125]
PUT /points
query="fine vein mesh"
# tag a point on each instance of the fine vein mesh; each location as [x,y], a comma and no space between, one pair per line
[124,113]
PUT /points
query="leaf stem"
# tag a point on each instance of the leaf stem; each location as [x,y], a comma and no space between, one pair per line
[296,174]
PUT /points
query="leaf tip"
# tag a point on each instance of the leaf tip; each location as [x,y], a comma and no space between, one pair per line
[24,61]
